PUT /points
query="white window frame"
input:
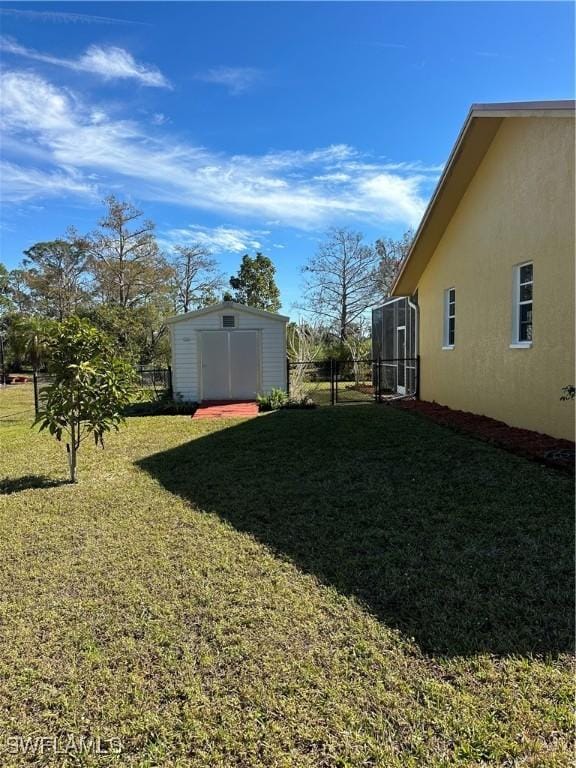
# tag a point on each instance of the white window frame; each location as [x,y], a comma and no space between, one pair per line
[447,317]
[516,304]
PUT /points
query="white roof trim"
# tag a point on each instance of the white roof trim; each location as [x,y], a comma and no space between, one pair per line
[560,108]
[229,306]
[391,300]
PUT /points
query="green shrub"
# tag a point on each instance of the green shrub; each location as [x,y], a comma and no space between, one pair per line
[273,400]
[305,402]
[162,405]
[90,386]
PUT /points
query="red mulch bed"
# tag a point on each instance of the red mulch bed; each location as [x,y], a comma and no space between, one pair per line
[552,451]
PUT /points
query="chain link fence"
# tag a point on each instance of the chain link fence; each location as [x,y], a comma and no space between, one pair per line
[311,379]
[328,382]
[151,384]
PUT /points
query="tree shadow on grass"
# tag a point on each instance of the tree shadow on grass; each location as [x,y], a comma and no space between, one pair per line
[26,482]
[457,544]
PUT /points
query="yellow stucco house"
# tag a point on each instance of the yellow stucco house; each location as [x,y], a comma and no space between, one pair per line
[485,297]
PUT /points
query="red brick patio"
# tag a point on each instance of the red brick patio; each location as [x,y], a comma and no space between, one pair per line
[224,409]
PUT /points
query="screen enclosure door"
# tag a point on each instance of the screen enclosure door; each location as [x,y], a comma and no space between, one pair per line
[401,361]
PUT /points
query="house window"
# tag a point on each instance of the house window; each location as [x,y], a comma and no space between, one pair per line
[523,290]
[228,321]
[449,318]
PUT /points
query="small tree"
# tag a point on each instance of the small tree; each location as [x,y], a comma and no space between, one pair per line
[356,343]
[90,387]
[255,284]
[36,332]
[304,344]
[25,339]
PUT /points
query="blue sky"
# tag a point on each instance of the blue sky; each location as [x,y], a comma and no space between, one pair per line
[254,125]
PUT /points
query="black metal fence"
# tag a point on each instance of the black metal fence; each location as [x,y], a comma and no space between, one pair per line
[329,382]
[326,382]
[313,379]
[151,384]
[41,381]
[157,380]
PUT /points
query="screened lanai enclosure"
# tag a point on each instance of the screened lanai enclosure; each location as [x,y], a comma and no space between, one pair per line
[395,346]
[391,372]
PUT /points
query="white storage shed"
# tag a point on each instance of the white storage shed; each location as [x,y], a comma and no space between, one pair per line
[227,351]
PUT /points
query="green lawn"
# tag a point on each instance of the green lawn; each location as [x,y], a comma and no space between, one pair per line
[320,392]
[350,586]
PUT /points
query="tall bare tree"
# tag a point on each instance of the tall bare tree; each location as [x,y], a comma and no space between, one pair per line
[196,279]
[341,281]
[391,254]
[126,262]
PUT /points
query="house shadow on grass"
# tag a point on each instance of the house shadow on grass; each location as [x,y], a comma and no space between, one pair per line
[455,543]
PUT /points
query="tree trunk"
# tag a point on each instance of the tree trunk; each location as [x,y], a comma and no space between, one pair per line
[71,450]
[343,320]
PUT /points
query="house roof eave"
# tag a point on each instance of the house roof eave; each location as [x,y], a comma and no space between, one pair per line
[474,139]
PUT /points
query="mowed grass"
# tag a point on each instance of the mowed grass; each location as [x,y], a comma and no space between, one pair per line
[16,403]
[349,586]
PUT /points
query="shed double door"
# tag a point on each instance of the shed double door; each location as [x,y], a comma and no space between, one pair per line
[230,365]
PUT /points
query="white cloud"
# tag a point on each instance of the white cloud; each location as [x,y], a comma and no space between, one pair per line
[395,195]
[28,100]
[332,177]
[109,62]
[158,118]
[66,18]
[113,63]
[305,189]
[327,157]
[25,184]
[237,79]
[415,166]
[217,239]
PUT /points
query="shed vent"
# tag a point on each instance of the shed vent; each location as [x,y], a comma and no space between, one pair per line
[228,321]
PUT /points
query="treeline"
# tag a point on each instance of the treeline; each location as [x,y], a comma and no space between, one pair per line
[343,280]
[119,279]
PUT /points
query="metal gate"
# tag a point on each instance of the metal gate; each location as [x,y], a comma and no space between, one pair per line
[354,381]
[333,382]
